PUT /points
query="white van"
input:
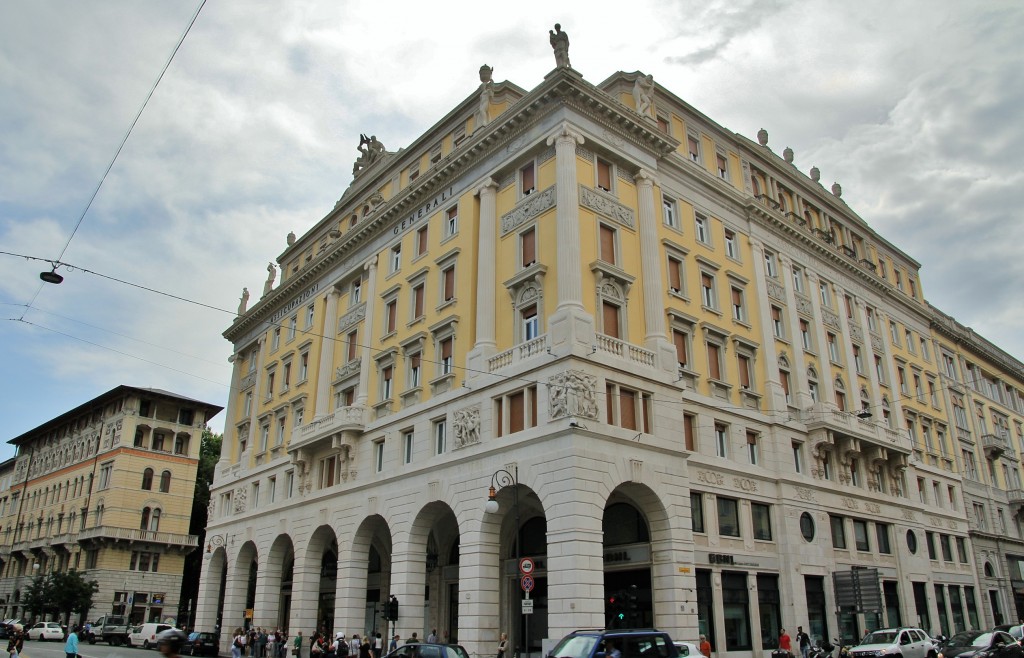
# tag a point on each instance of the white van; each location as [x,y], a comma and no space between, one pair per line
[145,636]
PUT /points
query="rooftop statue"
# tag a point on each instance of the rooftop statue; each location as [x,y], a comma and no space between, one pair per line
[560,44]
[643,95]
[370,150]
[244,301]
[480,117]
[271,275]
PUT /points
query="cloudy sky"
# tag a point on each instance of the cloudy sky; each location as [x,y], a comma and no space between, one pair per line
[913,106]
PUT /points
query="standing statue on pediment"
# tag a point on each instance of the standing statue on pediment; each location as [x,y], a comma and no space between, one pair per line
[643,95]
[271,275]
[480,117]
[244,301]
[560,44]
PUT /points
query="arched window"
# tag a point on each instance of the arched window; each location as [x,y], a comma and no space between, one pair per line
[181,444]
[840,394]
[154,520]
[145,518]
[812,384]
[147,479]
[99,514]
[165,481]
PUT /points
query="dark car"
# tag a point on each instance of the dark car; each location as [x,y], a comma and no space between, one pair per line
[428,650]
[201,643]
[1016,630]
[631,643]
[981,644]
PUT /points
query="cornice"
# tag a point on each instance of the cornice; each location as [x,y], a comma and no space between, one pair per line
[948,327]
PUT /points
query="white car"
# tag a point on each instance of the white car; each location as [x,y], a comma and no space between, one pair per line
[46,630]
[687,649]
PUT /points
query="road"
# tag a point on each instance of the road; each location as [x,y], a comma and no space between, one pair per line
[35,649]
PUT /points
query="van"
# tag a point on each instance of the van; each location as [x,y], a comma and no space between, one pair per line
[145,635]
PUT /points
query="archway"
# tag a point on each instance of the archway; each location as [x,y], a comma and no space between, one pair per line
[370,569]
[440,560]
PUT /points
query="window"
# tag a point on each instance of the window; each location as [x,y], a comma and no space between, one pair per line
[798,279]
[147,479]
[448,283]
[604,175]
[714,361]
[310,315]
[744,367]
[351,345]
[293,323]
[688,435]
[901,375]
[417,301]
[106,471]
[272,489]
[911,346]
[701,229]
[297,417]
[270,389]
[825,294]
[275,340]
[531,323]
[860,535]
[528,246]
[421,241]
[798,456]
[753,450]
[516,411]
[669,212]
[386,382]
[728,517]
[391,316]
[722,166]
[289,483]
[771,267]
[165,482]
[378,456]
[682,343]
[707,290]
[894,333]
[407,438]
[961,550]
[395,261]
[446,346]
[761,516]
[947,547]
[451,224]
[440,436]
[607,246]
[882,535]
[610,319]
[286,376]
[879,370]
[693,146]
[628,408]
[833,347]
[415,361]
[838,531]
[357,292]
[264,437]
[738,311]
[784,381]
[675,275]
[527,182]
[778,328]
[721,440]
[805,334]
[697,512]
[732,249]
[858,360]
[279,436]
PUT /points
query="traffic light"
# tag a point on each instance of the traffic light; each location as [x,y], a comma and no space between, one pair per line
[393,609]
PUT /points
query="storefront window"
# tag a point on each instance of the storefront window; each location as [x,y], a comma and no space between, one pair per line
[705,609]
[940,603]
[728,517]
[921,605]
[736,610]
[972,606]
[956,605]
[890,591]
[817,610]
[768,602]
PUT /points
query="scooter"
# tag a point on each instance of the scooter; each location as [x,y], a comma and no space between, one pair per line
[822,650]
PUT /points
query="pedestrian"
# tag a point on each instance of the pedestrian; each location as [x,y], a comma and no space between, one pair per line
[171,642]
[71,646]
[17,642]
[611,650]
[394,643]
[803,640]
[365,647]
[261,643]
[432,638]
[353,645]
[378,646]
[413,639]
[502,645]
[271,645]
[237,643]
[705,646]
[785,643]
[297,645]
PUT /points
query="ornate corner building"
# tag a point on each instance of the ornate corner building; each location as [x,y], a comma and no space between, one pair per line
[106,489]
[690,372]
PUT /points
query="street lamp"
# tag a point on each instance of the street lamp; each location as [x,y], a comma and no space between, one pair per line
[503,478]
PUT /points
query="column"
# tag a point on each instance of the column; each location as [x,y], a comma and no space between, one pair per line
[798,375]
[350,597]
[230,426]
[328,338]
[268,592]
[571,328]
[479,587]
[575,569]
[776,397]
[895,404]
[368,336]
[485,345]
[826,385]
[869,357]
[234,597]
[408,577]
[209,590]
[257,398]
[853,393]
[305,599]
[655,338]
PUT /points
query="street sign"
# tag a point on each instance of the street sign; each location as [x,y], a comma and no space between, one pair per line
[526,566]
[527,606]
[527,583]
[858,589]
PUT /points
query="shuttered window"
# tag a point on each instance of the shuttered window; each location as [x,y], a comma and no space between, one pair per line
[611,320]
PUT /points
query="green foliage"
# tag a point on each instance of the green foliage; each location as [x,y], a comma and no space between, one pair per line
[209,454]
[61,593]
[36,596]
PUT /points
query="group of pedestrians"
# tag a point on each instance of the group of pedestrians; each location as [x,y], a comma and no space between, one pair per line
[261,643]
[803,641]
[322,645]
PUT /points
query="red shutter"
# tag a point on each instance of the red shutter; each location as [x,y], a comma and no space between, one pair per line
[417,293]
[516,412]
[688,431]
[714,366]
[607,244]
[627,408]
[604,175]
[446,348]
[611,320]
[679,338]
[528,179]
[449,284]
[421,241]
[529,247]
[675,274]
[392,312]
[744,363]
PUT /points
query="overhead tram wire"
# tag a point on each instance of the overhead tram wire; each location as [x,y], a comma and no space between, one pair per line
[663,402]
[120,146]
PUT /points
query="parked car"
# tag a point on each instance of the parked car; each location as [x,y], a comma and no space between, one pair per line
[897,642]
[144,635]
[46,630]
[687,649]
[1016,630]
[429,650]
[202,643]
[632,643]
[981,644]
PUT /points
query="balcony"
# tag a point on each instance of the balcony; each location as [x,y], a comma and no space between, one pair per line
[343,419]
[132,535]
[624,350]
[994,445]
[520,352]
[1015,497]
[847,424]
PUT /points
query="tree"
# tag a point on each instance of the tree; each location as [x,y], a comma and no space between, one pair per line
[36,597]
[209,455]
[72,593]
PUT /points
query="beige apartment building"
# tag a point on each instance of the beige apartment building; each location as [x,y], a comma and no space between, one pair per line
[105,488]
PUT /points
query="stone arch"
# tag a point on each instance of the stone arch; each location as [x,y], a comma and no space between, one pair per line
[241,592]
[315,577]
[433,548]
[274,602]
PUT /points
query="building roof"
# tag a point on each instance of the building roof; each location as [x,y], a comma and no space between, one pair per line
[101,400]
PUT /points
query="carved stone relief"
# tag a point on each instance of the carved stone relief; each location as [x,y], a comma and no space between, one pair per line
[776,290]
[609,208]
[239,497]
[527,209]
[830,318]
[710,477]
[804,493]
[572,393]
[466,426]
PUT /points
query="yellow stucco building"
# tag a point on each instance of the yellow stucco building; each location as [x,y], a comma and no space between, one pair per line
[105,488]
[689,371]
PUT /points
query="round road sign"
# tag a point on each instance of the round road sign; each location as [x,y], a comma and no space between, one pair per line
[526,566]
[527,583]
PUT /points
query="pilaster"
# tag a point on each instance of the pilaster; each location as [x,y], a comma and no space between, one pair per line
[775,394]
[486,344]
[799,391]
[328,338]
[368,334]
[826,376]
[655,338]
